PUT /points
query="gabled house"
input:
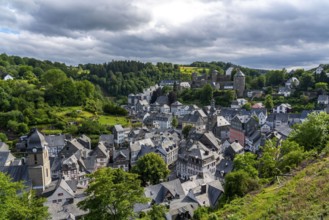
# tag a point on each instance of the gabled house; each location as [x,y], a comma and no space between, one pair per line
[233,149]
[293,82]
[119,134]
[168,150]
[282,108]
[102,155]
[242,126]
[8,77]
[323,99]
[55,144]
[285,91]
[222,128]
[142,106]
[136,148]
[60,194]
[260,114]
[121,159]
[197,159]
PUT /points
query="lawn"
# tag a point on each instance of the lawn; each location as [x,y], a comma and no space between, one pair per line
[76,113]
[113,120]
[190,70]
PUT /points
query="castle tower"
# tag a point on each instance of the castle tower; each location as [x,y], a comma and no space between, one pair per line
[38,161]
[214,75]
[239,83]
[212,116]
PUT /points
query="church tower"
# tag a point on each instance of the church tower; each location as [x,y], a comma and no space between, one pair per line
[239,83]
[38,161]
[212,116]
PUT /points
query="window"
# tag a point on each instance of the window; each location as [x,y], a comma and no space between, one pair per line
[54,201]
[60,194]
[35,159]
[47,172]
[59,200]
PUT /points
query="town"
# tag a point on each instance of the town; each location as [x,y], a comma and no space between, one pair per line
[198,144]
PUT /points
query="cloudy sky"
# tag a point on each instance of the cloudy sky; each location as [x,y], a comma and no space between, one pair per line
[254,33]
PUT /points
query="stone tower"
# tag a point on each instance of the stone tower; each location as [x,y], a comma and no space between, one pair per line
[38,161]
[212,116]
[239,83]
[214,75]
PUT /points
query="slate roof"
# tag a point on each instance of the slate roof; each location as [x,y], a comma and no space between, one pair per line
[36,139]
[107,138]
[225,166]
[162,100]
[236,146]
[239,73]
[118,128]
[323,98]
[101,151]
[5,156]
[17,173]
[55,140]
[158,192]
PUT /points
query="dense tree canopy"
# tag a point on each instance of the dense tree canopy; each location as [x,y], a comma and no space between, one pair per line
[19,206]
[112,194]
[151,168]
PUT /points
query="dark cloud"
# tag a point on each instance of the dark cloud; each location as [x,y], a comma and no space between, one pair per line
[262,34]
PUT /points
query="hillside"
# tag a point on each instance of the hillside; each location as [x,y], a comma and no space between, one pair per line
[304,195]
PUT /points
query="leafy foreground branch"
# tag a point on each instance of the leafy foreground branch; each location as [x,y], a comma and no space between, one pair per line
[112,194]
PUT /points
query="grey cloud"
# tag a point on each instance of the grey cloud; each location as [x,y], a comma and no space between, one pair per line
[72,18]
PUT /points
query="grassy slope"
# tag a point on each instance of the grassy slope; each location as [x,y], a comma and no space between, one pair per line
[190,70]
[62,112]
[303,196]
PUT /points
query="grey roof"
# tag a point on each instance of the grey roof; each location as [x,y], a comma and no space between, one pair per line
[36,139]
[17,173]
[158,192]
[225,166]
[162,100]
[215,190]
[118,128]
[236,146]
[284,130]
[3,146]
[177,103]
[107,138]
[101,151]
[55,140]
[5,156]
[239,73]
[121,152]
[323,98]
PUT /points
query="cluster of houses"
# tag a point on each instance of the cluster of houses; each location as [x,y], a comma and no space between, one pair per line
[56,166]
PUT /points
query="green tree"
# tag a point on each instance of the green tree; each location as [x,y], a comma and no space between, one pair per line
[24,205]
[247,106]
[268,102]
[306,81]
[312,133]
[112,194]
[247,162]
[186,130]
[157,212]
[174,122]
[321,87]
[3,137]
[238,183]
[206,94]
[151,168]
